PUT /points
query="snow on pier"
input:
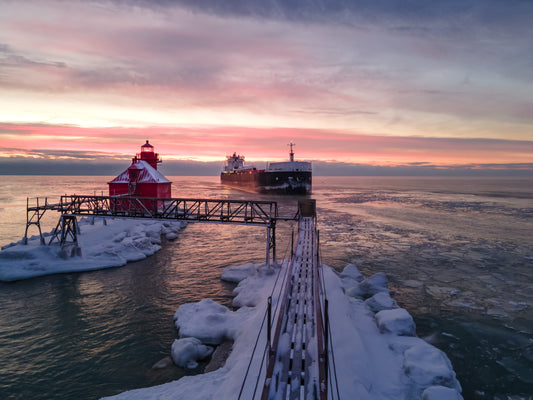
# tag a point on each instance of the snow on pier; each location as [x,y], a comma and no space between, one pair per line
[297,372]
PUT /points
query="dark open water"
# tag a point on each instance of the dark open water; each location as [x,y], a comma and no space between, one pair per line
[458,253]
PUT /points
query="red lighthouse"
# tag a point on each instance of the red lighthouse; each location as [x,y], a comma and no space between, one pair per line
[142,179]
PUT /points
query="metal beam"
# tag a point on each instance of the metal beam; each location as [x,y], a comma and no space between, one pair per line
[247,212]
[231,211]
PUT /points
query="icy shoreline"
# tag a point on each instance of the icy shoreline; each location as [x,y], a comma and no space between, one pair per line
[104,242]
[377,353]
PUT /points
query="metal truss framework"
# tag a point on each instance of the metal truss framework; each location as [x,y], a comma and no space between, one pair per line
[246,212]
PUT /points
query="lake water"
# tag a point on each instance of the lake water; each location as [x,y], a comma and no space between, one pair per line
[458,253]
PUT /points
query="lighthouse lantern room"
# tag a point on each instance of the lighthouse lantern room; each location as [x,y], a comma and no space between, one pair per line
[142,179]
[147,154]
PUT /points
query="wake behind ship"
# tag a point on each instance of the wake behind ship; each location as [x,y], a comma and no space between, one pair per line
[287,177]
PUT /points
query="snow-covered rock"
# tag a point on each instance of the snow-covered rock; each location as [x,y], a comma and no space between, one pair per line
[397,321]
[428,366]
[209,321]
[367,287]
[171,235]
[351,272]
[238,273]
[374,284]
[381,301]
[187,351]
[441,393]
[249,292]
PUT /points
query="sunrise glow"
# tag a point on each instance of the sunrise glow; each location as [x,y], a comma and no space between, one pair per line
[373,85]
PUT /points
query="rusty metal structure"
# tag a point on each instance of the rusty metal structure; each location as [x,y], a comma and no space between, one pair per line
[246,212]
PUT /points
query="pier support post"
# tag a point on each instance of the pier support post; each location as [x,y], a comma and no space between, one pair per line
[35,219]
[271,243]
[67,227]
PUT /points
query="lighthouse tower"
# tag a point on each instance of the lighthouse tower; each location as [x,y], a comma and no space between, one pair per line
[142,179]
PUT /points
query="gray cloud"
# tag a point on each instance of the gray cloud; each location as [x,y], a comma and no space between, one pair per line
[83,163]
[383,63]
[494,13]
[73,155]
[321,168]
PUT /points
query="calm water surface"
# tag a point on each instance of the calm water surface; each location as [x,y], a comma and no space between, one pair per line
[458,253]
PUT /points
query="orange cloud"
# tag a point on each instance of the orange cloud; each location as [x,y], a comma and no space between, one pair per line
[214,143]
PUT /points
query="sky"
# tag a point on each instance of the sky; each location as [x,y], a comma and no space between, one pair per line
[377,84]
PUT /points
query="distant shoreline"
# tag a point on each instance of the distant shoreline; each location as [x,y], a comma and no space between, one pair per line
[520,174]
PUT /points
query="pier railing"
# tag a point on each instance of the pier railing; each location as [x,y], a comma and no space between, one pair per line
[318,380]
[302,364]
[208,210]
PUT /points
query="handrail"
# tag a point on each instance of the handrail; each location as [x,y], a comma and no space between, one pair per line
[239,211]
[267,347]
[244,212]
[330,356]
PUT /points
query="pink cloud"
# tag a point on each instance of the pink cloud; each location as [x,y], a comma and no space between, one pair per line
[210,143]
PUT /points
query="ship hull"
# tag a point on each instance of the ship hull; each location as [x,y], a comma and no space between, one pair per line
[281,182]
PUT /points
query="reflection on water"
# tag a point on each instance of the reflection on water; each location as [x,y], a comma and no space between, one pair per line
[105,329]
[458,254]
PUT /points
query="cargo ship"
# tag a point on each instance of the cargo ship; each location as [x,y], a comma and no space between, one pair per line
[286,177]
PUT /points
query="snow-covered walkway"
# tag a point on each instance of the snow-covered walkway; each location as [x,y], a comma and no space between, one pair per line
[299,350]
